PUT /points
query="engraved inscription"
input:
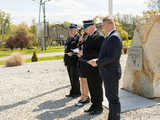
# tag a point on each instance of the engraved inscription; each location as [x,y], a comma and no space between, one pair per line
[135,57]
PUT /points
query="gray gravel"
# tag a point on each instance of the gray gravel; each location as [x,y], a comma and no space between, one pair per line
[36,91]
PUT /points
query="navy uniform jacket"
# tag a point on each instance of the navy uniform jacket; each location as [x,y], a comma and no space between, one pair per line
[69,45]
[109,57]
[92,45]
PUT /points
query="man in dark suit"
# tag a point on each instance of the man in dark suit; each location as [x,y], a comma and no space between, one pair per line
[109,66]
[71,60]
[91,50]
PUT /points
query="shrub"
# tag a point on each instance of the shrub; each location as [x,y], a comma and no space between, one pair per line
[18,41]
[15,60]
[21,40]
[34,57]
[10,43]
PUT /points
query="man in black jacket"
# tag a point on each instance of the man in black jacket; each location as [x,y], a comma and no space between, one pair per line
[91,50]
[71,60]
[109,66]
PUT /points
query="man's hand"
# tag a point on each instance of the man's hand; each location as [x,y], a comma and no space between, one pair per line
[93,62]
[81,39]
[80,54]
[70,54]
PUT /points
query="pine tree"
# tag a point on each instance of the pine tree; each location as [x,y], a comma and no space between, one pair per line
[34,57]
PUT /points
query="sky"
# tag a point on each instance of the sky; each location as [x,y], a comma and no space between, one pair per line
[75,11]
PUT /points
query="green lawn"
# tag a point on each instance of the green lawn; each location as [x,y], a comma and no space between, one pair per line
[2,62]
[8,52]
[58,57]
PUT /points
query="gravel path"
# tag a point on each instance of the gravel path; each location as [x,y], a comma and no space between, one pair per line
[39,55]
[36,91]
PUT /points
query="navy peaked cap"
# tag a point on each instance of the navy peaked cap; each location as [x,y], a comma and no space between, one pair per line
[73,26]
[88,23]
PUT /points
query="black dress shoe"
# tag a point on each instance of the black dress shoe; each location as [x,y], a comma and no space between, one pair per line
[96,111]
[76,95]
[85,101]
[73,95]
[90,109]
[69,95]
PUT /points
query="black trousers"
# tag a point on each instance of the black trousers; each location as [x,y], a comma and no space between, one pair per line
[95,86]
[111,84]
[74,79]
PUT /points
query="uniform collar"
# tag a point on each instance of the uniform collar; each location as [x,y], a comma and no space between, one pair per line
[111,32]
[74,37]
[93,32]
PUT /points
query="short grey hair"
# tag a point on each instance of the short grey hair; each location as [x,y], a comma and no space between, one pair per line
[109,20]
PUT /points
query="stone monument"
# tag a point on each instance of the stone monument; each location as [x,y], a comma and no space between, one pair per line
[142,71]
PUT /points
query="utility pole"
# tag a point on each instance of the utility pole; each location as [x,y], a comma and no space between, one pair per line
[42,6]
[40,11]
[110,7]
[44,25]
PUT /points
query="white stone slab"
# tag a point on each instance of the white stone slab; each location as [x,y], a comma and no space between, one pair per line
[135,57]
[130,101]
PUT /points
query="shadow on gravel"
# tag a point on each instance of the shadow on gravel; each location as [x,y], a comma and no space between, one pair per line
[57,114]
[52,104]
[62,113]
[6,107]
[54,114]
[83,117]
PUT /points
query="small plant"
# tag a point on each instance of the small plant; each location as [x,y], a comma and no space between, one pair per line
[34,57]
[15,59]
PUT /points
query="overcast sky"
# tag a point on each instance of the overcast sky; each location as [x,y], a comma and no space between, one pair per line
[74,11]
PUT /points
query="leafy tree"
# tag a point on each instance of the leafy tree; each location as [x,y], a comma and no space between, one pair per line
[153,4]
[5,22]
[151,13]
[66,24]
[129,23]
[119,26]
[27,31]
[33,34]
[98,19]
[22,29]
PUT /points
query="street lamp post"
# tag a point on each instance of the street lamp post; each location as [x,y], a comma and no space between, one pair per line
[110,7]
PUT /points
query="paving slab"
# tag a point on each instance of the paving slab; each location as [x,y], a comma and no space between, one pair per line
[130,101]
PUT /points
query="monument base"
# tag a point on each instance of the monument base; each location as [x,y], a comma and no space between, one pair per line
[142,71]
